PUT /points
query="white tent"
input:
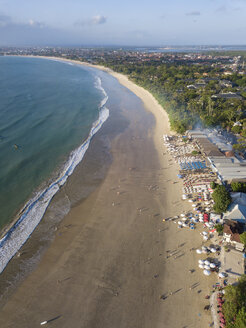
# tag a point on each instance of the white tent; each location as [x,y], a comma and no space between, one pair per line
[207,272]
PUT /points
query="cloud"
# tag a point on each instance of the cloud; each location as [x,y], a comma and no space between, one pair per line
[7,21]
[98,19]
[95,20]
[36,24]
[221,9]
[193,13]
[4,20]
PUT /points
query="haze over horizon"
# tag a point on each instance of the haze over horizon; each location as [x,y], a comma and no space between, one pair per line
[138,23]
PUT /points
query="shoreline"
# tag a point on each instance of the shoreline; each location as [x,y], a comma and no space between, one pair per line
[142,93]
[148,99]
[150,103]
[15,234]
[113,263]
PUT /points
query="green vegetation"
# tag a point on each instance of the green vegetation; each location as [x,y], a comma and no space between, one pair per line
[195,152]
[238,186]
[243,238]
[219,228]
[186,90]
[234,308]
[241,145]
[236,129]
[222,199]
[213,185]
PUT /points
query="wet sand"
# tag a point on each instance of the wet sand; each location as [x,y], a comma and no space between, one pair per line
[109,264]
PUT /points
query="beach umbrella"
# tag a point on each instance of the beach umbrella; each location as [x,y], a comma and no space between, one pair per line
[213,250]
[206,272]
[193,205]
[201,261]
[222,275]
[207,267]
[183,215]
[201,266]
[190,201]
[199,251]
[205,238]
[207,262]
[179,222]
[212,266]
[204,233]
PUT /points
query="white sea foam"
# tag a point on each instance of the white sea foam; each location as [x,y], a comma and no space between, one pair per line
[36,207]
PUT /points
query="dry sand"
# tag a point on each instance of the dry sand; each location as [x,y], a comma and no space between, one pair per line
[109,263]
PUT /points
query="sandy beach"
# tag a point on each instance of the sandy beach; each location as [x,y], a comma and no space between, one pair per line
[113,261]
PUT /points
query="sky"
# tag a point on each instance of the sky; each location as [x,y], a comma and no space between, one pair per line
[122,22]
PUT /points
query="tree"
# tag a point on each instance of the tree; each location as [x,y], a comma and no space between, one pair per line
[236,129]
[239,146]
[213,185]
[222,199]
[240,319]
[235,302]
[243,238]
[238,186]
[219,228]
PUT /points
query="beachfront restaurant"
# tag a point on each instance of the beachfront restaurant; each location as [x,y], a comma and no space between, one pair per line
[228,168]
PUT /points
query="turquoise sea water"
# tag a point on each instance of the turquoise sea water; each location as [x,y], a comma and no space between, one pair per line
[47,110]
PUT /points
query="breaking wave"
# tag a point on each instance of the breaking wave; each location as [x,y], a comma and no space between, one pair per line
[35,208]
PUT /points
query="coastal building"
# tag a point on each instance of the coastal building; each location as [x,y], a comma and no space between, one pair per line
[226,83]
[231,234]
[236,212]
[228,168]
[219,154]
[228,95]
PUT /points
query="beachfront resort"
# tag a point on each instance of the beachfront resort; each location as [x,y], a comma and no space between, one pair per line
[209,169]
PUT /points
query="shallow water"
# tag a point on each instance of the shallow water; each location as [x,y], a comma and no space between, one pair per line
[46,110]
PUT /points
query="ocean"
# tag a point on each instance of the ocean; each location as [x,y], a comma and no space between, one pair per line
[49,112]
